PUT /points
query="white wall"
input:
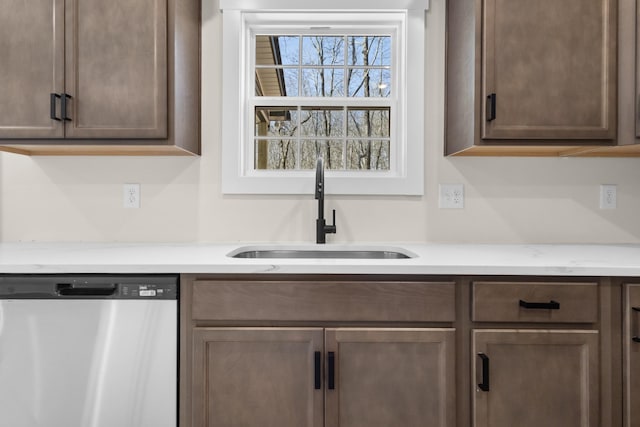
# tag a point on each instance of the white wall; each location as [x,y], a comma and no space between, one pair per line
[520,200]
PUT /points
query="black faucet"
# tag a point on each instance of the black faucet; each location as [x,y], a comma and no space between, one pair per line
[322,229]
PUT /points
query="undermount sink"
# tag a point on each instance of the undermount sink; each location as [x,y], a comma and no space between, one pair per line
[321,253]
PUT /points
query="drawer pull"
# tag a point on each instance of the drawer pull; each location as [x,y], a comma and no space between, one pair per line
[331,381]
[317,358]
[484,385]
[551,305]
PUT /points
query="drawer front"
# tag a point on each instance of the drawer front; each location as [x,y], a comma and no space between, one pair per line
[543,302]
[323,301]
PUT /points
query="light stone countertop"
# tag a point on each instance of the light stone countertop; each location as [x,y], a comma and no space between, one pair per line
[449,259]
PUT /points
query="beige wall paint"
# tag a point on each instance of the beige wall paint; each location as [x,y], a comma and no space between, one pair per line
[519,200]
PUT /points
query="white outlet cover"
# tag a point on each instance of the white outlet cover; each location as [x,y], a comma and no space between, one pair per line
[608,196]
[131,196]
[451,196]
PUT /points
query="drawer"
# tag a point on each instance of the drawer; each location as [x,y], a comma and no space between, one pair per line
[236,300]
[551,302]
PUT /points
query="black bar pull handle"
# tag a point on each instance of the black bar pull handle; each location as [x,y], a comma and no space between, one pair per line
[491,107]
[635,337]
[484,385]
[63,106]
[331,368]
[52,108]
[551,305]
[317,370]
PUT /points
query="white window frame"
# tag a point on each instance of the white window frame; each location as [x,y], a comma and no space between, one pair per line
[240,20]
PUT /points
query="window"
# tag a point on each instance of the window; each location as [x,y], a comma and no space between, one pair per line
[343,82]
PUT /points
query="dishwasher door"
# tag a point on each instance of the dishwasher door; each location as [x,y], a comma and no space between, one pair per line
[83,362]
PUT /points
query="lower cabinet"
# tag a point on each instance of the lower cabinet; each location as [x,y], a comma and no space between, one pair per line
[410,351]
[631,348]
[533,378]
[348,377]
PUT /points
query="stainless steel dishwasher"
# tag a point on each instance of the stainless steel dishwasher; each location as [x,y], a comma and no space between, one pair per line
[88,351]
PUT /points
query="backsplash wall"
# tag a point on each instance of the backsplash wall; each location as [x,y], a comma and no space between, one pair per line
[507,200]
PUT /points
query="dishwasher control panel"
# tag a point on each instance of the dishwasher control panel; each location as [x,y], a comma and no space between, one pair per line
[147,291]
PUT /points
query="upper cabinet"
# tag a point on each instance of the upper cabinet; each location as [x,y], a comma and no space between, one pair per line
[529,77]
[94,77]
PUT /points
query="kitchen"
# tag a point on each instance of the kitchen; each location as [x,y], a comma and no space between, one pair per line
[507,200]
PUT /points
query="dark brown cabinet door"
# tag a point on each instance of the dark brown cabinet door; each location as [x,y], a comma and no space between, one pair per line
[549,69]
[116,68]
[31,67]
[533,378]
[245,377]
[390,377]
[632,357]
[633,106]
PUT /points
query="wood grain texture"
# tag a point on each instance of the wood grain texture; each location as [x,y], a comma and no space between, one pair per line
[538,378]
[538,114]
[182,134]
[256,377]
[499,302]
[462,65]
[631,371]
[31,67]
[635,108]
[116,68]
[552,66]
[117,149]
[324,301]
[392,377]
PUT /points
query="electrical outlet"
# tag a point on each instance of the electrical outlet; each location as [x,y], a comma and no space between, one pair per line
[451,196]
[131,194]
[608,196]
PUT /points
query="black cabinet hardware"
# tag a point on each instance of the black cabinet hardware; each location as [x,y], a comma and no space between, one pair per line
[484,385]
[551,305]
[491,107]
[635,337]
[331,368]
[52,110]
[317,361]
[63,106]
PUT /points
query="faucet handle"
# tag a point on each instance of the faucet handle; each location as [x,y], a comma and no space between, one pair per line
[331,228]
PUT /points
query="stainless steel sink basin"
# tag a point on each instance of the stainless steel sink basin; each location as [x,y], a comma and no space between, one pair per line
[321,253]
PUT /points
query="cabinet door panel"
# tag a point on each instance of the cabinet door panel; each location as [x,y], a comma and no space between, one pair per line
[537,378]
[31,68]
[552,66]
[391,377]
[633,106]
[116,65]
[256,377]
[632,357]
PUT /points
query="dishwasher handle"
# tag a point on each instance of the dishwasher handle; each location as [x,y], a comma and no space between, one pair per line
[86,289]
